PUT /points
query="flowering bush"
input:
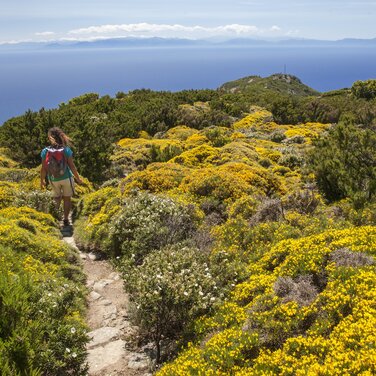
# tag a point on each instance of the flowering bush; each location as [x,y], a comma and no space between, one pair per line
[181,132]
[41,298]
[309,308]
[132,154]
[171,288]
[146,222]
[157,177]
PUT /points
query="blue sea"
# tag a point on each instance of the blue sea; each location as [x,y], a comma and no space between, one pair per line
[31,79]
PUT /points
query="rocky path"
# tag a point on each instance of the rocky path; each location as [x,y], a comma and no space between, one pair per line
[107,318]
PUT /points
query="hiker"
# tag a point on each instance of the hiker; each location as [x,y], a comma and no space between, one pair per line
[59,168]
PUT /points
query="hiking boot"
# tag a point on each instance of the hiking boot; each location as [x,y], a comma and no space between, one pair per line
[66,222]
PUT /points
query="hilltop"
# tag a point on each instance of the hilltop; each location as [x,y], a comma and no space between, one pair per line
[277,83]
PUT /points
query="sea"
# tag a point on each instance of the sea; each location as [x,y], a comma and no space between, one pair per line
[32,79]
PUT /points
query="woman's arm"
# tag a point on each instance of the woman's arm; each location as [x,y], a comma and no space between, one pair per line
[74,170]
[43,174]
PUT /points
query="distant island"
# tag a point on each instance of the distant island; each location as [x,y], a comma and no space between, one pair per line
[121,42]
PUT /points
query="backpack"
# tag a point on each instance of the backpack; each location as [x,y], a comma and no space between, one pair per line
[56,162]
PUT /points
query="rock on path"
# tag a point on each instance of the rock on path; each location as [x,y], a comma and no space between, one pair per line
[108,319]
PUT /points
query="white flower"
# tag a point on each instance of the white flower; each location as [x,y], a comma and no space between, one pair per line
[212,299]
[73,330]
[201,293]
[67,350]
[74,355]
[185,293]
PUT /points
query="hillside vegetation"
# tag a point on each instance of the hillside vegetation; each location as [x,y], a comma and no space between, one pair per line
[42,294]
[246,243]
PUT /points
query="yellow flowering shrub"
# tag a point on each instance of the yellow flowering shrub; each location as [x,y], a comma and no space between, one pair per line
[195,140]
[135,153]
[236,136]
[199,156]
[92,202]
[273,155]
[7,193]
[329,333]
[43,221]
[259,117]
[307,130]
[157,177]
[245,207]
[238,151]
[42,297]
[228,314]
[228,182]
[144,134]
[181,132]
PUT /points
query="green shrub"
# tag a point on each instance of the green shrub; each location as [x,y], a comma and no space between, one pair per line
[364,89]
[344,163]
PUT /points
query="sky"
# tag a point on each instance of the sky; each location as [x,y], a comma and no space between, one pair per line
[47,20]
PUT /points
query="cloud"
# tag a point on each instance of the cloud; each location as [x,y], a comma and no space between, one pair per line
[173,30]
[292,33]
[275,28]
[45,34]
[14,41]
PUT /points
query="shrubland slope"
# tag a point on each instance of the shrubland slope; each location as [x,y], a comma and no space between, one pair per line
[243,224]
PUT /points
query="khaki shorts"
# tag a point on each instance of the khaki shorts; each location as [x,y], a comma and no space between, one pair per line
[63,188]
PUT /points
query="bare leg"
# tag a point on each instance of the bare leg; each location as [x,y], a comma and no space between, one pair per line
[67,206]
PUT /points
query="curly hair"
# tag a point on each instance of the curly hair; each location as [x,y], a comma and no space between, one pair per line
[58,137]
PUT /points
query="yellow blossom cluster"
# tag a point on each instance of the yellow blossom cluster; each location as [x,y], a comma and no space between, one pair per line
[331,334]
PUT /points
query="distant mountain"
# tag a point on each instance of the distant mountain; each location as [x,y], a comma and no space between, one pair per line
[125,42]
[279,83]
[129,42]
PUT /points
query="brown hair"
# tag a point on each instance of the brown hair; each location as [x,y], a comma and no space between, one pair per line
[58,137]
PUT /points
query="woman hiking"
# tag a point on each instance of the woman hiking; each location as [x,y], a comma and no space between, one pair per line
[58,166]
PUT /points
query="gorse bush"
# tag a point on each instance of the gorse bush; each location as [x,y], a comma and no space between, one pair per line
[41,298]
[302,310]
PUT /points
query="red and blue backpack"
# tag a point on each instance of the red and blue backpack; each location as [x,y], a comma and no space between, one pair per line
[56,162]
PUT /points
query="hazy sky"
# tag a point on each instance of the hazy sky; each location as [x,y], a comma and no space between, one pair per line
[91,19]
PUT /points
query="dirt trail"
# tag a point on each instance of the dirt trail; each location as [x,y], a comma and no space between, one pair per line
[108,320]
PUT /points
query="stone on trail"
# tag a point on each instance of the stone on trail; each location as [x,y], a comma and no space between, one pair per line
[101,336]
[102,357]
[94,295]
